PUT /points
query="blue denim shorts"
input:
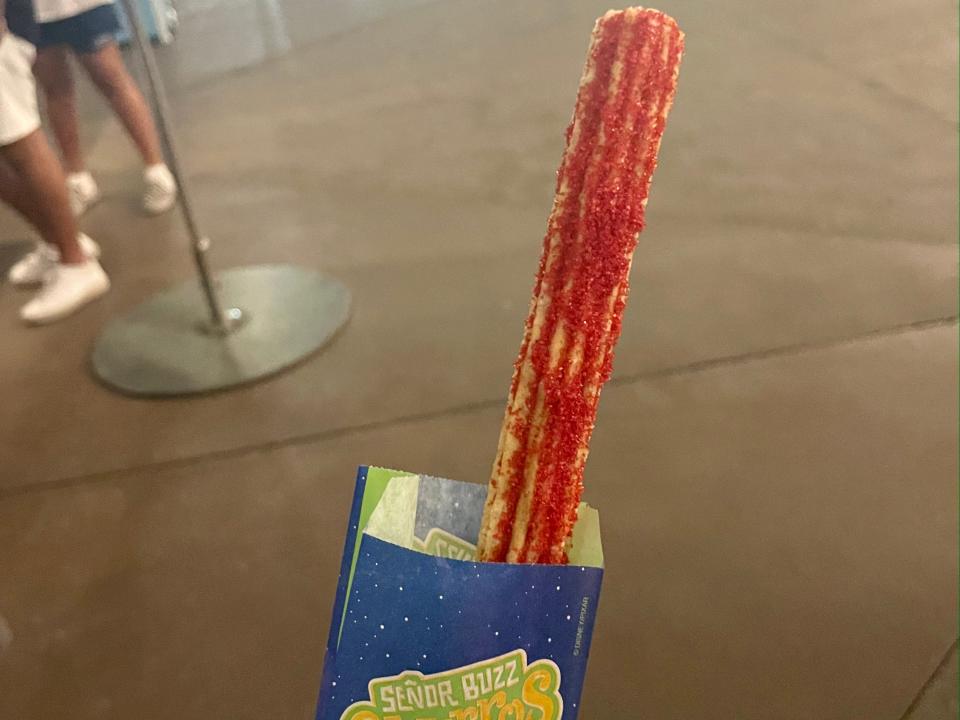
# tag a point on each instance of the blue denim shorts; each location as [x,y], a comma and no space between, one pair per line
[84,33]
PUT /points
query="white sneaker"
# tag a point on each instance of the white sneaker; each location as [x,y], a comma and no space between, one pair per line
[66,289]
[33,267]
[161,192]
[83,192]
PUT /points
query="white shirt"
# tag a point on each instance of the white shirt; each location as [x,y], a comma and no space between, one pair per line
[50,10]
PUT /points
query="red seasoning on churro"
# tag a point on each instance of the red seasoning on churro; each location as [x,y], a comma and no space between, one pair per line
[566,355]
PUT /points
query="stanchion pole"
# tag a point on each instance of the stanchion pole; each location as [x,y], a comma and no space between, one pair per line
[219,322]
[189,339]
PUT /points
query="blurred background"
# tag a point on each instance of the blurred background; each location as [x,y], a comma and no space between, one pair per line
[775,460]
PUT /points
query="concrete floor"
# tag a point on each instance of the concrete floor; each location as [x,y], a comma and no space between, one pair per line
[775,460]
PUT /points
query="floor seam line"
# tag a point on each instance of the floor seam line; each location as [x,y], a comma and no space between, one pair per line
[918,698]
[466,408]
[785,350]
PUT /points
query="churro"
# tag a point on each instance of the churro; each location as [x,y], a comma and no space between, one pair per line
[566,356]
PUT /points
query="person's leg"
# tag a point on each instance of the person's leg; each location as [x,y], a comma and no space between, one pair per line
[35,184]
[32,267]
[35,187]
[14,194]
[32,181]
[52,69]
[105,67]
[53,72]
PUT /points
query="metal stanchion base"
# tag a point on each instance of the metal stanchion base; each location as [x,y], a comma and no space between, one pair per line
[276,316]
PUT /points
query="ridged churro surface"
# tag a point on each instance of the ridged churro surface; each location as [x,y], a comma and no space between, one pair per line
[566,355]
